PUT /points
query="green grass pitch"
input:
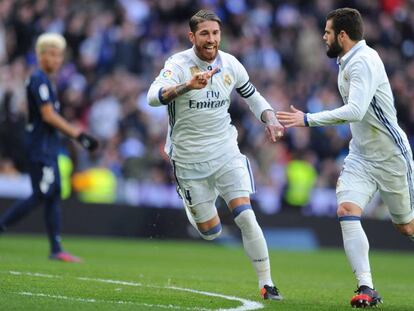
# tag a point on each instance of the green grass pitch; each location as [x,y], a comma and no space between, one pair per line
[130,274]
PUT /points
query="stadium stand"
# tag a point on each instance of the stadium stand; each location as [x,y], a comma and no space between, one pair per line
[116,48]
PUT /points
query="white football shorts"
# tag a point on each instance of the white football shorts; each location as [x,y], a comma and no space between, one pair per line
[393,178]
[233,180]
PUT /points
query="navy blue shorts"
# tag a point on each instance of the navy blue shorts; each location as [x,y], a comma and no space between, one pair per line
[45,179]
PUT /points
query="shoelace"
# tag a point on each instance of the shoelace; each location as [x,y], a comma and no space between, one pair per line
[273,290]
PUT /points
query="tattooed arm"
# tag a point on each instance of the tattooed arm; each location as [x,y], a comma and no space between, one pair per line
[161,96]
[167,94]
[198,81]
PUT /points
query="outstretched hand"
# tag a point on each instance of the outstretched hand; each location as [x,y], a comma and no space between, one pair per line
[200,80]
[296,118]
[274,130]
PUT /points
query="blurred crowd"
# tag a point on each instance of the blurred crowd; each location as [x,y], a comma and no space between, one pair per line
[117,47]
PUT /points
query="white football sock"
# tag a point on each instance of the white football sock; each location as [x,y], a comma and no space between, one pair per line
[255,245]
[356,247]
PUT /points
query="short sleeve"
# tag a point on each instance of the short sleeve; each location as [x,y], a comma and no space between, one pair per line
[242,77]
[171,74]
[39,87]
[243,85]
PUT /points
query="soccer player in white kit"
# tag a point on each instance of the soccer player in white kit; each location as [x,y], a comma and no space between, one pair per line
[195,85]
[380,157]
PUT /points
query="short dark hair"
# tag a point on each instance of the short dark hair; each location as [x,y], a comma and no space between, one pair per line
[202,16]
[348,20]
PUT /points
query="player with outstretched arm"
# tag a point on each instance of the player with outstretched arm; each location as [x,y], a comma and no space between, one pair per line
[380,157]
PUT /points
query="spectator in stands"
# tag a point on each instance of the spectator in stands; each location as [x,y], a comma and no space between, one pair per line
[140,34]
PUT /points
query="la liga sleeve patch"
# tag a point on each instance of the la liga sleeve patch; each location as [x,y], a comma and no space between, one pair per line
[167,74]
[44,92]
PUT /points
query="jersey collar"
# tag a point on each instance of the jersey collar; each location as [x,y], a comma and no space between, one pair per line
[347,57]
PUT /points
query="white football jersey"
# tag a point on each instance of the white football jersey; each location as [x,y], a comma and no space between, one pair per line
[368,106]
[200,128]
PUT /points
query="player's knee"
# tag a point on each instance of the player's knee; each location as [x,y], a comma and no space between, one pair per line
[245,218]
[37,197]
[50,194]
[211,233]
[348,209]
[342,211]
[407,229]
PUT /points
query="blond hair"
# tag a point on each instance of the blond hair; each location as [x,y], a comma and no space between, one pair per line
[50,40]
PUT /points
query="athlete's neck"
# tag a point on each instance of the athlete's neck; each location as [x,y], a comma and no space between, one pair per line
[347,46]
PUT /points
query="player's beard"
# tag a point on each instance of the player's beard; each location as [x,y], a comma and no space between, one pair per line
[334,49]
[205,54]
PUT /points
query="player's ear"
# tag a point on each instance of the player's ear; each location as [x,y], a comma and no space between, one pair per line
[191,37]
[342,35]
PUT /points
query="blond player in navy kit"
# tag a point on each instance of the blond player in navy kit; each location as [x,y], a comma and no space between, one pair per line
[380,157]
[195,85]
[43,144]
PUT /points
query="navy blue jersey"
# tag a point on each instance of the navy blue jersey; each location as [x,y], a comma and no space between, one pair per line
[43,140]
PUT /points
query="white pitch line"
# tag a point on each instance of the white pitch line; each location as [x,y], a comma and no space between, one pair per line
[57,297]
[247,305]
[42,275]
[119,302]
[110,281]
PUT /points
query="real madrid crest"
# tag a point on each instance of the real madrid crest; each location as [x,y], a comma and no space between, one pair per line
[227,80]
[194,70]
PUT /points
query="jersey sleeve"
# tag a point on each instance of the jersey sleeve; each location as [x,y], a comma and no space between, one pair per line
[171,74]
[40,90]
[246,89]
[361,91]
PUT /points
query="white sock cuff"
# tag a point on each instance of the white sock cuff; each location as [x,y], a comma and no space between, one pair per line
[350,228]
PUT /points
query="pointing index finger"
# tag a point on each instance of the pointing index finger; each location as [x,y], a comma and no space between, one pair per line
[213,71]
